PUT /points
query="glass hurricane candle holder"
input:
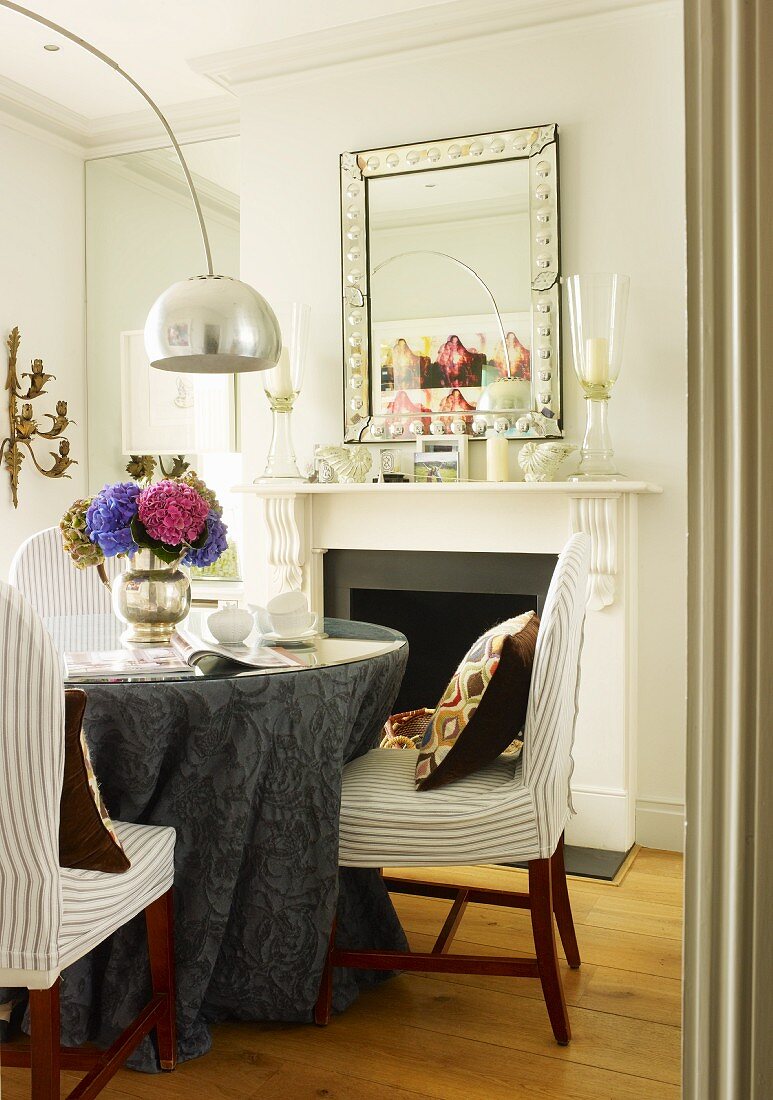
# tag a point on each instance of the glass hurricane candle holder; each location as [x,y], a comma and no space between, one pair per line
[282,384]
[597,309]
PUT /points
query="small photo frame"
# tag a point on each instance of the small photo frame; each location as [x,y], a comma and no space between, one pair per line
[445,445]
[436,468]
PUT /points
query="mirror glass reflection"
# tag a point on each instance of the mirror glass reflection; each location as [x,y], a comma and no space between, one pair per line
[142,236]
[444,247]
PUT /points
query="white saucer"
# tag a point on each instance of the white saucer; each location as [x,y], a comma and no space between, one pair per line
[306,638]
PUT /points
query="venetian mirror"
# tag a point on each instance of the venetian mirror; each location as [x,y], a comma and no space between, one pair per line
[451,292]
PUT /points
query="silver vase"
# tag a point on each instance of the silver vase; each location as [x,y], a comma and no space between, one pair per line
[151,596]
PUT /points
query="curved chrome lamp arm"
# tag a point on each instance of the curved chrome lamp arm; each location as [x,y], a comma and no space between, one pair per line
[475,275]
[154,107]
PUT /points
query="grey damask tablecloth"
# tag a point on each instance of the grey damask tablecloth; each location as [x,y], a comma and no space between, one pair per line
[248,771]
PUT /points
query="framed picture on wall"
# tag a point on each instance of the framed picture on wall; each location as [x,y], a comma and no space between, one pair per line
[169,413]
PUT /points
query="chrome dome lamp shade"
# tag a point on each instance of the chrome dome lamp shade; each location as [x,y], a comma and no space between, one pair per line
[217,324]
[505,394]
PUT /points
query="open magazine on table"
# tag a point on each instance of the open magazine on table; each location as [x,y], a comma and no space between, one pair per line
[185,652]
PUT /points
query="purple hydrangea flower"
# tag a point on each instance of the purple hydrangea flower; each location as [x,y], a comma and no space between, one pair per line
[109,516]
[215,545]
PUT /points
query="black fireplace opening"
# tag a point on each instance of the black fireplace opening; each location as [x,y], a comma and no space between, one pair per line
[442,601]
[440,628]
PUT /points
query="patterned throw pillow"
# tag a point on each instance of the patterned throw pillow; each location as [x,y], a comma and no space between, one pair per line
[484,706]
[87,839]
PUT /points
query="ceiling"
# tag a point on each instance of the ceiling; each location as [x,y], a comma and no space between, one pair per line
[154,41]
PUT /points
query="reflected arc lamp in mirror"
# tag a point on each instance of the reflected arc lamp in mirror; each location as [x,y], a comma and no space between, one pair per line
[451,288]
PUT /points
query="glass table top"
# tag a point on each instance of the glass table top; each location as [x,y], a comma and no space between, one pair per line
[91,648]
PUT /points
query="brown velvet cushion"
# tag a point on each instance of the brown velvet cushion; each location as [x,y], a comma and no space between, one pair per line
[86,837]
[484,706]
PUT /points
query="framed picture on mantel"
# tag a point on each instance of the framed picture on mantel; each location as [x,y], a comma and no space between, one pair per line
[446,445]
[436,468]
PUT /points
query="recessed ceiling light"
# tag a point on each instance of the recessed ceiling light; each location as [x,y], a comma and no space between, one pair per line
[51,47]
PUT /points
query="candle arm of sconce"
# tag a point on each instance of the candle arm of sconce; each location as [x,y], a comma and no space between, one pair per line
[61,461]
[60,425]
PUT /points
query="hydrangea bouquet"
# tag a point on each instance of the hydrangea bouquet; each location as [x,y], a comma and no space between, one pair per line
[178,519]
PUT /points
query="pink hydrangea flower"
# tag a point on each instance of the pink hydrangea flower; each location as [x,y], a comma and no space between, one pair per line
[172,513]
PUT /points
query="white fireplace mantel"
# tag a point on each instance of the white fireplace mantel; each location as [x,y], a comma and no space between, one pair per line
[591,508]
[301,521]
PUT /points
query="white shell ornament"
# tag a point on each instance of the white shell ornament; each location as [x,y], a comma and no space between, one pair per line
[540,461]
[351,465]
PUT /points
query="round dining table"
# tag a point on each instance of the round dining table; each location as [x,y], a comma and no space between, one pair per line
[247,768]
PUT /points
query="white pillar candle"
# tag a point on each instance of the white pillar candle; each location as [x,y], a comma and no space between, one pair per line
[279,382]
[597,360]
[496,459]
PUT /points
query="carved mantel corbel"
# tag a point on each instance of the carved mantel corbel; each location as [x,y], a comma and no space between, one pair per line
[597,517]
[285,545]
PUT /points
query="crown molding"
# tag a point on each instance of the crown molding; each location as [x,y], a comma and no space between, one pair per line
[426,29]
[195,120]
[23,109]
[31,113]
[218,204]
[166,175]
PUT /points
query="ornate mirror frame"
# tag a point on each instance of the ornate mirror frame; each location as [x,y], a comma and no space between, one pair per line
[538,144]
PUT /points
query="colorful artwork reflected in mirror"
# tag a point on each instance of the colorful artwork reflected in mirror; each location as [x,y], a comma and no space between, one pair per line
[442,365]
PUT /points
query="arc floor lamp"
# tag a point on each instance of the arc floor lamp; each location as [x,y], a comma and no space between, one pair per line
[229,327]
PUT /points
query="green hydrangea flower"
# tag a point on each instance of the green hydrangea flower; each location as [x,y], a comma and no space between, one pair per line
[75,539]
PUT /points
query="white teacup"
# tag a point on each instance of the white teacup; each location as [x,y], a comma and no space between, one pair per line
[287,615]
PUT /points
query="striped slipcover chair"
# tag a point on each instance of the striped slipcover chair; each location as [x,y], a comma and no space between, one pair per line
[50,916]
[511,811]
[47,578]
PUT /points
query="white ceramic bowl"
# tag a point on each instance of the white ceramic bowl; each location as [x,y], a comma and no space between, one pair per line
[230,625]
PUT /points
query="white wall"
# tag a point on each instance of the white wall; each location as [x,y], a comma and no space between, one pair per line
[41,291]
[616,91]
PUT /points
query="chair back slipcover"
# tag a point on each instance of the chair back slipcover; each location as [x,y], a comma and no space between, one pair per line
[31,774]
[46,576]
[552,710]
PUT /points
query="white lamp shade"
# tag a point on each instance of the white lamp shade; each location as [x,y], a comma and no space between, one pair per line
[217,324]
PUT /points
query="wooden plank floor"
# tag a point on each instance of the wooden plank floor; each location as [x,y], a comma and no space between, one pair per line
[461,1038]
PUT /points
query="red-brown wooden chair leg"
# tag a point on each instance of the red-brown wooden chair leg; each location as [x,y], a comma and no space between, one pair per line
[562,907]
[324,1004]
[44,1043]
[540,892]
[159,918]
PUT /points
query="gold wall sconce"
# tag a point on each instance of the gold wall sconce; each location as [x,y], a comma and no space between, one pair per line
[24,428]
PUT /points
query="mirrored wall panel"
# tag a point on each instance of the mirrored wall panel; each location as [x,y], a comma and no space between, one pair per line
[450,256]
[142,236]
